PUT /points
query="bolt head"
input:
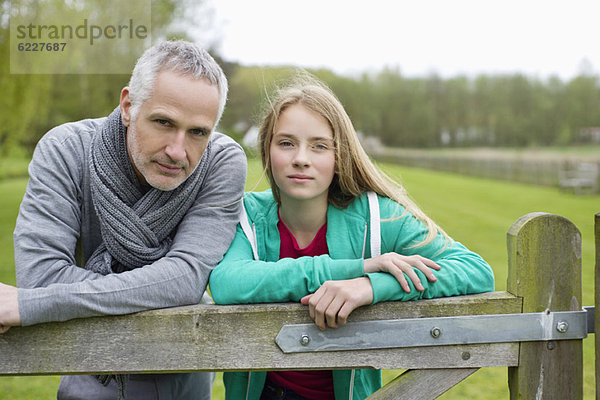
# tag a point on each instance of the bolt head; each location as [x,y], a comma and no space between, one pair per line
[435,332]
[305,340]
[562,326]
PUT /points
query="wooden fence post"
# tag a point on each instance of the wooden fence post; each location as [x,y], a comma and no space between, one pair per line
[597,303]
[544,268]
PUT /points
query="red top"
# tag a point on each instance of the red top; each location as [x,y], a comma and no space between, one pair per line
[314,385]
[289,247]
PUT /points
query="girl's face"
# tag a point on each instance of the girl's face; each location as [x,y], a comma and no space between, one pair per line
[302,154]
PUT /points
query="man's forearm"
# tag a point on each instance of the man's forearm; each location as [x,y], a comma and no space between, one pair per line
[9,307]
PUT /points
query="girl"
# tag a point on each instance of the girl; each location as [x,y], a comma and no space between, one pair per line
[334,233]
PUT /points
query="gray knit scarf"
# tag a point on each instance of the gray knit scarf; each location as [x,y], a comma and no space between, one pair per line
[136,225]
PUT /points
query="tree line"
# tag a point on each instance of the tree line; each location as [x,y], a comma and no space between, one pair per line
[486,110]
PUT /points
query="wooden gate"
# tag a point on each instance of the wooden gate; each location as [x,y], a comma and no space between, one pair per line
[544,256]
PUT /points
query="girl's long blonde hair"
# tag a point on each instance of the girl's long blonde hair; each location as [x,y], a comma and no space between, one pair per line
[355,173]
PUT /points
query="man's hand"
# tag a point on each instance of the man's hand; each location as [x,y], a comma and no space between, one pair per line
[9,308]
[333,302]
[398,265]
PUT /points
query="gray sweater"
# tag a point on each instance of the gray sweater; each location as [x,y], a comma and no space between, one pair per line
[57,230]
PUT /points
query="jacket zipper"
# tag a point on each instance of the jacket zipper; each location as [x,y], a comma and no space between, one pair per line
[248,386]
[351,394]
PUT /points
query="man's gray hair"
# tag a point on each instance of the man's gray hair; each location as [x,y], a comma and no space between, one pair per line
[178,56]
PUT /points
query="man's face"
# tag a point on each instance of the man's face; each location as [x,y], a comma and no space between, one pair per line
[166,140]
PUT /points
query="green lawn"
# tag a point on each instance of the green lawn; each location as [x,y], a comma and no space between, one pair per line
[13,167]
[474,211]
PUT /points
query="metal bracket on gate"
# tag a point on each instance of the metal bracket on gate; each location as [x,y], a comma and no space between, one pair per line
[413,332]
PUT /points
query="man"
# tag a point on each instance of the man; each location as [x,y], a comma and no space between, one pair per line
[146,200]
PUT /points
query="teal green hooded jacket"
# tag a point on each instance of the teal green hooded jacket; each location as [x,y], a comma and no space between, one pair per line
[239,279]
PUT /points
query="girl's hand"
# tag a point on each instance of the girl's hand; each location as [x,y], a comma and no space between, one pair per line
[333,302]
[9,308]
[398,265]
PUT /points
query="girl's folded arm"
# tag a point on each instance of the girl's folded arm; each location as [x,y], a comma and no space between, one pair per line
[462,271]
[239,279]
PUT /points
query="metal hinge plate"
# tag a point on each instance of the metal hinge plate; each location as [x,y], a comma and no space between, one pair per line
[413,332]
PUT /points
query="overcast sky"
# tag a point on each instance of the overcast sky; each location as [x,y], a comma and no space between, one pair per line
[420,37]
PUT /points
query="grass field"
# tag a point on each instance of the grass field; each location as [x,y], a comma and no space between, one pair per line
[590,152]
[13,167]
[474,211]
